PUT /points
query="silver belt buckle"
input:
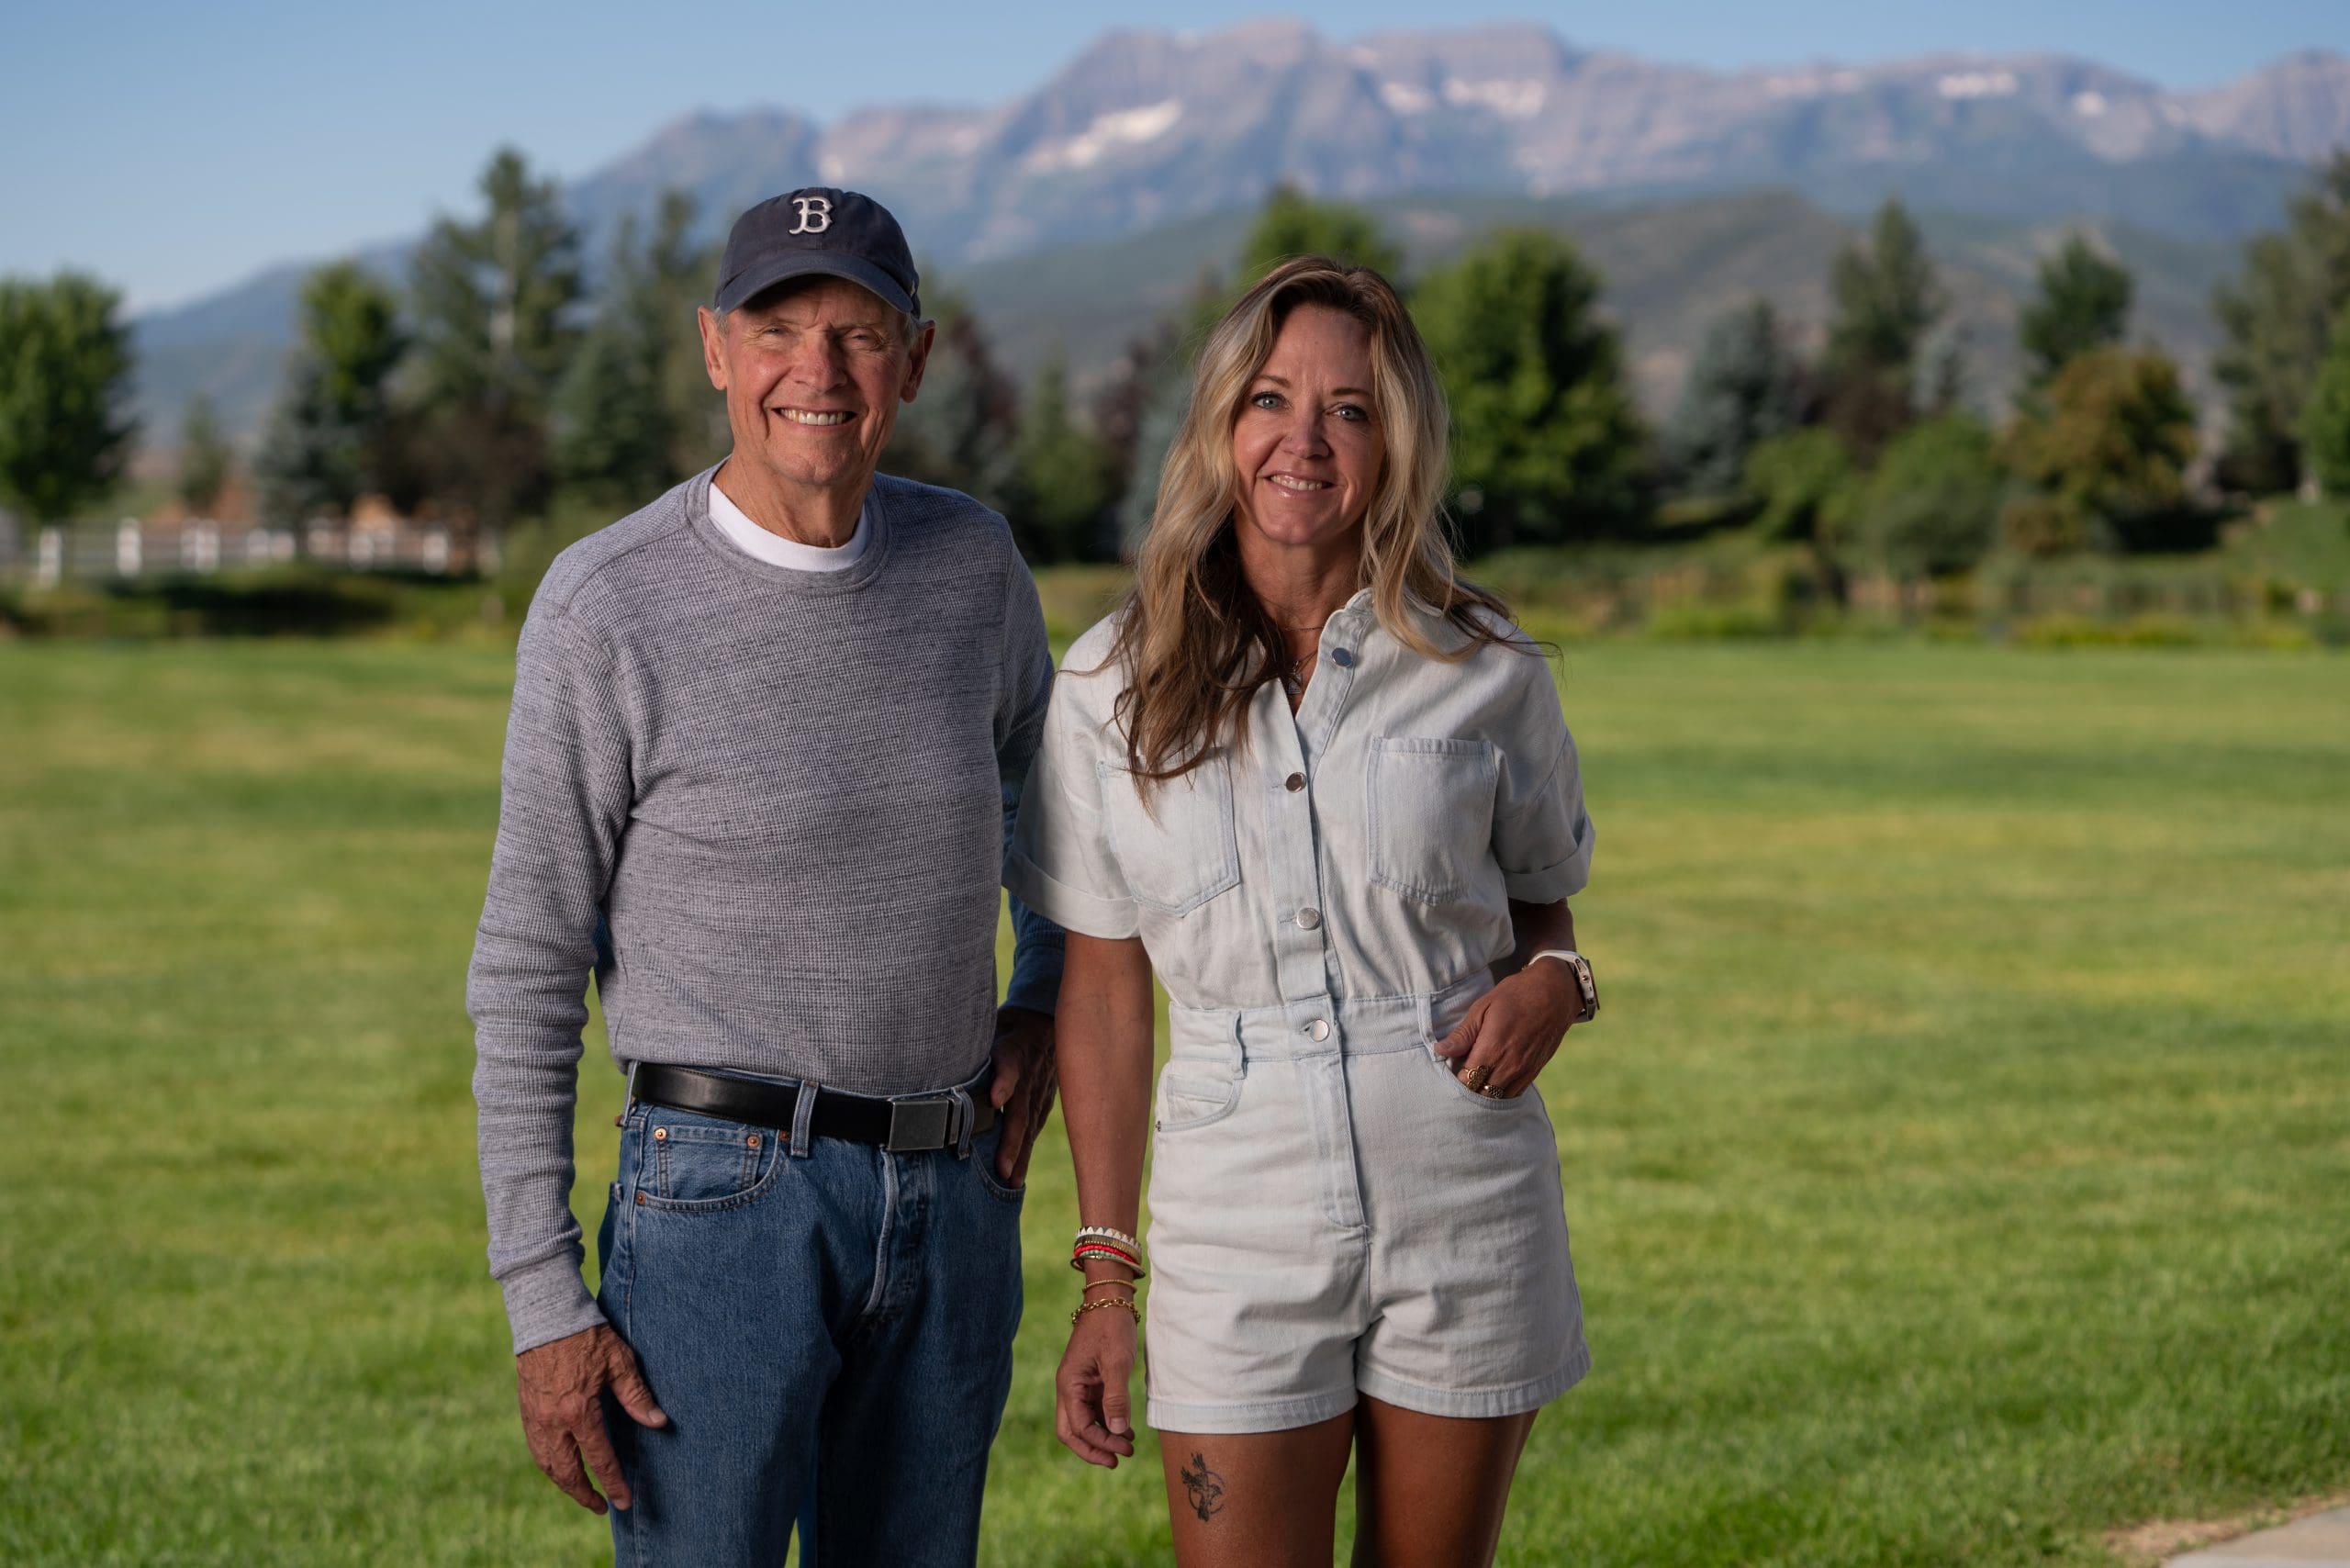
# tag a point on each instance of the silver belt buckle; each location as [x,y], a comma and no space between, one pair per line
[917,1124]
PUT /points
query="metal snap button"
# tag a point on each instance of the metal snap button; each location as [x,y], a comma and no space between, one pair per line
[660,1135]
[1293,783]
[1309,917]
[1319,1029]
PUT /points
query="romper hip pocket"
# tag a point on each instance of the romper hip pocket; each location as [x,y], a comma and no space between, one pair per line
[1201,1082]
[1176,848]
[1430,809]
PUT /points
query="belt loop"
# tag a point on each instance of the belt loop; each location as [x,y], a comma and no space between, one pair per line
[963,1116]
[1239,1045]
[803,1118]
[628,1102]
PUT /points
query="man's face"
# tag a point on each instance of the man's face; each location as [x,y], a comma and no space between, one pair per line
[813,373]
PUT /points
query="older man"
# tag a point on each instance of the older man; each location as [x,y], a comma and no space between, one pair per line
[764,734]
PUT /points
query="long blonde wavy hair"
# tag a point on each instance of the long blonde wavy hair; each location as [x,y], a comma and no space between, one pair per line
[1194,643]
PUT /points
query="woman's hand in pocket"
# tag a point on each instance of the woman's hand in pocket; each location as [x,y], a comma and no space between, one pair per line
[1092,1402]
[1511,1032]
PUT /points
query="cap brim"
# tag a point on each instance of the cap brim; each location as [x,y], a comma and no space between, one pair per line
[750,284]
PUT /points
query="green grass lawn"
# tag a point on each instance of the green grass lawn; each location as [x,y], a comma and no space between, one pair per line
[1961,1167]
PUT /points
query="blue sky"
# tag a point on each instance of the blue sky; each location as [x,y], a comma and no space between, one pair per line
[174,149]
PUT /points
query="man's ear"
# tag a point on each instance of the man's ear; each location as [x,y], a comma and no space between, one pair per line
[713,345]
[919,360]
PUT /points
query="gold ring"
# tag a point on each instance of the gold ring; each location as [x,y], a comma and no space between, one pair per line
[1492,1093]
[1476,1078]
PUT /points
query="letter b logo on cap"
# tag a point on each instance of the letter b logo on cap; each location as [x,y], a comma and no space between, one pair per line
[815,214]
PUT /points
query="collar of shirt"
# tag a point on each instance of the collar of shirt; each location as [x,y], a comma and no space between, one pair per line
[776,550]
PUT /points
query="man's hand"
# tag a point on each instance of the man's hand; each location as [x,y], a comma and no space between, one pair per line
[563,1419]
[1024,1087]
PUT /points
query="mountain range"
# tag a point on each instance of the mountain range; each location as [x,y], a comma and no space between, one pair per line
[1171,135]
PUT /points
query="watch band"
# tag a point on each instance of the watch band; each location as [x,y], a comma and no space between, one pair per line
[1579,967]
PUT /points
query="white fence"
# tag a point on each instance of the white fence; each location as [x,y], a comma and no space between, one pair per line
[129,549]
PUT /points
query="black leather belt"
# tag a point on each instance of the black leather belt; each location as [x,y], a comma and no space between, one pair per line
[900,1125]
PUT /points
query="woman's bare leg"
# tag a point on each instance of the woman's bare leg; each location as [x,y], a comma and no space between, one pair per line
[1429,1490]
[1258,1499]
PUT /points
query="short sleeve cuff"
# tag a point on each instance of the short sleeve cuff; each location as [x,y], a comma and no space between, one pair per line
[1549,884]
[1071,909]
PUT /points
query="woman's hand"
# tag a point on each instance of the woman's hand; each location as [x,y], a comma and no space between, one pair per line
[1514,1030]
[1092,1406]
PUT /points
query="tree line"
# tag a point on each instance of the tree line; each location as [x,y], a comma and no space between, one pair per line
[499,379]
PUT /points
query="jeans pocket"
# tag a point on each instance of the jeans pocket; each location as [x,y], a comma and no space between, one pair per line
[984,1151]
[696,1162]
[1173,837]
[1430,809]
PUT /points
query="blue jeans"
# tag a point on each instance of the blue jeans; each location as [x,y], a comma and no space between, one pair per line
[829,1329]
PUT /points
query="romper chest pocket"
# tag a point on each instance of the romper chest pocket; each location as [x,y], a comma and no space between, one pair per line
[1177,851]
[1430,810]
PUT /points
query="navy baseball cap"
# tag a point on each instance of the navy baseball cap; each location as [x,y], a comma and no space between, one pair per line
[819,229]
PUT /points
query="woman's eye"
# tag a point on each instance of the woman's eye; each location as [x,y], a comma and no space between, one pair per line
[1353,412]
[1266,400]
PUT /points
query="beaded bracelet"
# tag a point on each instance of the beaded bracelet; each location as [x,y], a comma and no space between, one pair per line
[1106,1234]
[1090,1251]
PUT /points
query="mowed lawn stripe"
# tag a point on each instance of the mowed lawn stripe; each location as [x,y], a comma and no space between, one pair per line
[1961,1165]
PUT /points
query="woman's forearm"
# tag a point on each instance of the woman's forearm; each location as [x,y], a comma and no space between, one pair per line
[1104,1026]
[1537,927]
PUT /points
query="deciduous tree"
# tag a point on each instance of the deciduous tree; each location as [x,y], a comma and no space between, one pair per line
[1931,505]
[2326,420]
[2108,450]
[2278,319]
[332,437]
[1547,445]
[64,377]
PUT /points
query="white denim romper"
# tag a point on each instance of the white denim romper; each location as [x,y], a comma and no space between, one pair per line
[1331,1212]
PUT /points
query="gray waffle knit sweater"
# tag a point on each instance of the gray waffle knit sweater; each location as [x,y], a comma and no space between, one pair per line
[764,807]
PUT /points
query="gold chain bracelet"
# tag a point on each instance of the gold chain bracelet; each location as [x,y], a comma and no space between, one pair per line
[1126,1301]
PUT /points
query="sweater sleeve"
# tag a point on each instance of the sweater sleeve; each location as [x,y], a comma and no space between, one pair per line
[564,802]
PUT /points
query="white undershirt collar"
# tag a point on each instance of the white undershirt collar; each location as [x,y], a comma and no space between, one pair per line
[778,550]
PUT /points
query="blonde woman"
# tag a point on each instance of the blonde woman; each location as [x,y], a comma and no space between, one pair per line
[1321,787]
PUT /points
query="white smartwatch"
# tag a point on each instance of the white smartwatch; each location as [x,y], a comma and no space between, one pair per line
[1579,967]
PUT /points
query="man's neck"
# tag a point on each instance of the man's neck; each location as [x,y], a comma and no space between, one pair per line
[826,518]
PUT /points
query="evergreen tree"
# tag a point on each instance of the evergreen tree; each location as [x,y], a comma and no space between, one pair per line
[1886,299]
[2277,319]
[64,377]
[205,459]
[2084,304]
[2109,451]
[495,303]
[1062,480]
[332,437]
[626,414]
[2325,419]
[1547,445]
[1744,387]
[960,429]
